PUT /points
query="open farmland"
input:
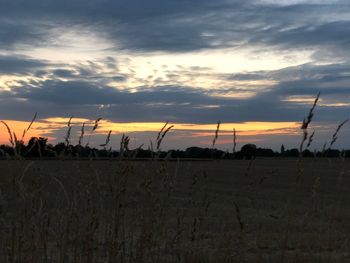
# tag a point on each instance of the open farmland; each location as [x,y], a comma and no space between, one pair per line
[175,211]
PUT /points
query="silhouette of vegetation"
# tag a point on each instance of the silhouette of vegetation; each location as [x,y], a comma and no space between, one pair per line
[38,147]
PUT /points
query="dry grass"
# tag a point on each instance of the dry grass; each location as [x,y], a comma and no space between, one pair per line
[133,211]
[335,134]
[216,134]
[305,126]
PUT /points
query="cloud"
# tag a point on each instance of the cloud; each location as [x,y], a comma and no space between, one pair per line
[152,25]
[328,35]
[169,27]
[65,73]
[188,104]
[20,32]
[181,26]
[87,93]
[17,64]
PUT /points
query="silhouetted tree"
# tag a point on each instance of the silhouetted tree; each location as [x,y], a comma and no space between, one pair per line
[263,152]
[248,151]
[308,153]
[203,153]
[59,148]
[332,153]
[291,153]
[36,147]
[6,151]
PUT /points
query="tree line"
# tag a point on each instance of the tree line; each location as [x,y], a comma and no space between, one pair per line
[38,147]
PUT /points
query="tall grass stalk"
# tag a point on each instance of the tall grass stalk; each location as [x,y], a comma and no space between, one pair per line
[305,125]
[216,135]
[305,137]
[68,133]
[124,145]
[15,144]
[161,135]
[94,128]
[29,126]
[11,138]
[108,138]
[311,137]
[82,133]
[234,142]
[335,134]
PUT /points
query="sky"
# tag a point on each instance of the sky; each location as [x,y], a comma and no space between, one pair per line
[254,65]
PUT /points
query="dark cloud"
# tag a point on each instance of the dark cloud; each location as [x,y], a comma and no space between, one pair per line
[179,26]
[151,25]
[249,76]
[119,78]
[237,24]
[14,31]
[12,64]
[87,93]
[64,73]
[333,35]
[303,72]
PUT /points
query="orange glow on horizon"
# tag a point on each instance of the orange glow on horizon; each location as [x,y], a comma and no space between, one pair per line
[155,126]
[48,127]
[18,127]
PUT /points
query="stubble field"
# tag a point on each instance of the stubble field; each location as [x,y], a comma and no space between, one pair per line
[265,210]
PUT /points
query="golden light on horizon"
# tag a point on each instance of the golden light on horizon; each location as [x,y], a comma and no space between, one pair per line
[48,127]
[59,120]
[17,128]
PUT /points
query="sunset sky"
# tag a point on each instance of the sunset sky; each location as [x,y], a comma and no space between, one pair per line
[254,65]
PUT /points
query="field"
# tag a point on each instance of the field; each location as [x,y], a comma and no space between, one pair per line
[264,210]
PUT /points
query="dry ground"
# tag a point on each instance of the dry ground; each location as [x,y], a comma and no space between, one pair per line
[197,211]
